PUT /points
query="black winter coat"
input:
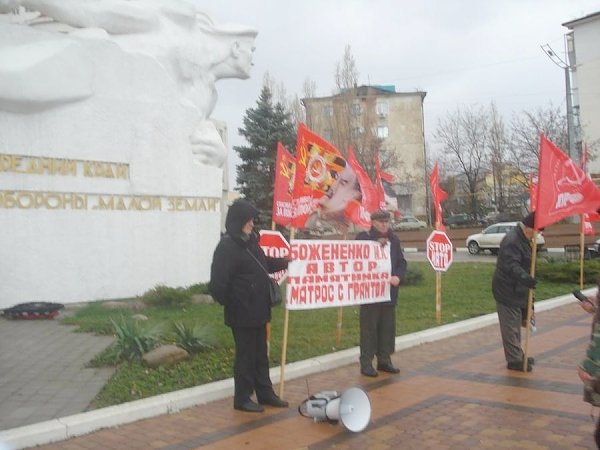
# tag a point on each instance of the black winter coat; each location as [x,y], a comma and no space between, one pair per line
[236,280]
[512,265]
[396,256]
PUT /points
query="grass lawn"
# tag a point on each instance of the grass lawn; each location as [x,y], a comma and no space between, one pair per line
[466,293]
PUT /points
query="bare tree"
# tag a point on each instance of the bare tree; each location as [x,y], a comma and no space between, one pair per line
[498,148]
[464,135]
[291,103]
[526,128]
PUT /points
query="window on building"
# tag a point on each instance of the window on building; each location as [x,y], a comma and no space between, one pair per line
[356,132]
[355,109]
[328,134]
[382,132]
[382,108]
[327,111]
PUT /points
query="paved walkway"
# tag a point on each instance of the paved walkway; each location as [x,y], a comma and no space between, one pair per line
[43,373]
[451,394]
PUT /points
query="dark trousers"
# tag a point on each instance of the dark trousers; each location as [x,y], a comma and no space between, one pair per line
[510,319]
[597,433]
[377,333]
[251,365]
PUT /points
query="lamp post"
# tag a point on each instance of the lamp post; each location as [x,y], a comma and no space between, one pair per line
[573,150]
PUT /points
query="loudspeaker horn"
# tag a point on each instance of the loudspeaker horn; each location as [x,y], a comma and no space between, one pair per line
[352,408]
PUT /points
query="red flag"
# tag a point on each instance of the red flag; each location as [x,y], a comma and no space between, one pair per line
[357,212]
[439,195]
[533,191]
[285,166]
[318,165]
[563,188]
[385,201]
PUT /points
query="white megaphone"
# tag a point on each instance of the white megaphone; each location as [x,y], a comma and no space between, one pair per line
[352,408]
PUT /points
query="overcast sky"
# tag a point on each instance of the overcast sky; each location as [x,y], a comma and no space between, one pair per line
[467,52]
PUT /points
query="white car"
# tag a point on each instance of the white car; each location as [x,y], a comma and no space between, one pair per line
[408,223]
[490,238]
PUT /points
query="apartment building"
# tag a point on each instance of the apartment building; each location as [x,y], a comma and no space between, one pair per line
[378,115]
[584,65]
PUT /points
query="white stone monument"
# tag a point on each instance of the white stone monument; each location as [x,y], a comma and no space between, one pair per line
[111,169]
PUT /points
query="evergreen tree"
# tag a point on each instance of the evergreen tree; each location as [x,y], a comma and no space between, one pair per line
[264,126]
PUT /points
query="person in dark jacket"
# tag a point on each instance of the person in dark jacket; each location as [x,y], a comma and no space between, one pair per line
[241,285]
[378,320]
[510,287]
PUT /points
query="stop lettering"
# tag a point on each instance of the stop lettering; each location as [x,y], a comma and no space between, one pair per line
[439,251]
[275,245]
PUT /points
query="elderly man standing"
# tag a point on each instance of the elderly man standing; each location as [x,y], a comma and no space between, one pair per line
[378,320]
[510,286]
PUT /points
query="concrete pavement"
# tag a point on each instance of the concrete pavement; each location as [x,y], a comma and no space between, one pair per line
[43,372]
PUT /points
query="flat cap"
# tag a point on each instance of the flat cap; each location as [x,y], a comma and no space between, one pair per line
[529,220]
[380,214]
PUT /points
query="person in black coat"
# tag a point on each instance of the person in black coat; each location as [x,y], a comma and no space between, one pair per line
[378,320]
[241,285]
[510,287]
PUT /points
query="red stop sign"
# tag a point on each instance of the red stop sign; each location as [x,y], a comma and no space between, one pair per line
[439,251]
[275,245]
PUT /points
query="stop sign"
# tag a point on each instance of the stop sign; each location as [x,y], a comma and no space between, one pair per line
[276,246]
[439,251]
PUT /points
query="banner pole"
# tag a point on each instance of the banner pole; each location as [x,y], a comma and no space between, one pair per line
[340,312]
[530,301]
[268,324]
[581,250]
[284,342]
[438,296]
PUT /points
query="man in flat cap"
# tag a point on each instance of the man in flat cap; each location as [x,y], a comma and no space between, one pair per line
[510,286]
[378,320]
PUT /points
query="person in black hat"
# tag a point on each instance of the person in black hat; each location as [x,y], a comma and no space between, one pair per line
[378,320]
[241,285]
[510,287]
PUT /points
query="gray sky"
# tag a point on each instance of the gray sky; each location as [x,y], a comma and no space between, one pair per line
[467,52]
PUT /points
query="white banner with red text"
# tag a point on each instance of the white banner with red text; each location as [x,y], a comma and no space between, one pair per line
[325,274]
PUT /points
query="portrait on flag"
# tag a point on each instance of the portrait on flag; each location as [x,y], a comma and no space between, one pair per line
[325,184]
[324,274]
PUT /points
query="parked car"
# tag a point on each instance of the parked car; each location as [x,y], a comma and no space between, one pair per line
[408,223]
[461,220]
[490,238]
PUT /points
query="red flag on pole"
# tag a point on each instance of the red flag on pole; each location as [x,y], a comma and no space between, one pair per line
[285,167]
[439,195]
[563,188]
[357,212]
[379,183]
[318,165]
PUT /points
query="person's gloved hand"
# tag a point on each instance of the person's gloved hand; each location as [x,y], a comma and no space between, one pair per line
[528,281]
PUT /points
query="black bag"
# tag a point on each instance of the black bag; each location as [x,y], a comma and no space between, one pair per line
[274,293]
[275,297]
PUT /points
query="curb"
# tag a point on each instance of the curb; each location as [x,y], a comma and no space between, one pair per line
[79,424]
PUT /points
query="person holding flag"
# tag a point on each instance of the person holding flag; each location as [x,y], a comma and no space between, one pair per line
[378,320]
[510,287]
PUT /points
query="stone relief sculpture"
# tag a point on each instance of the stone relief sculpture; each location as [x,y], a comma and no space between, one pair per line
[193,51]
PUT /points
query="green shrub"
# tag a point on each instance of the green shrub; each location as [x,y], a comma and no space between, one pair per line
[192,338]
[557,271]
[413,277]
[198,288]
[166,296]
[134,339]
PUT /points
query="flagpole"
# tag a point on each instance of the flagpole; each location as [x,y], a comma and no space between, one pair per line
[438,296]
[530,300]
[581,250]
[284,342]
